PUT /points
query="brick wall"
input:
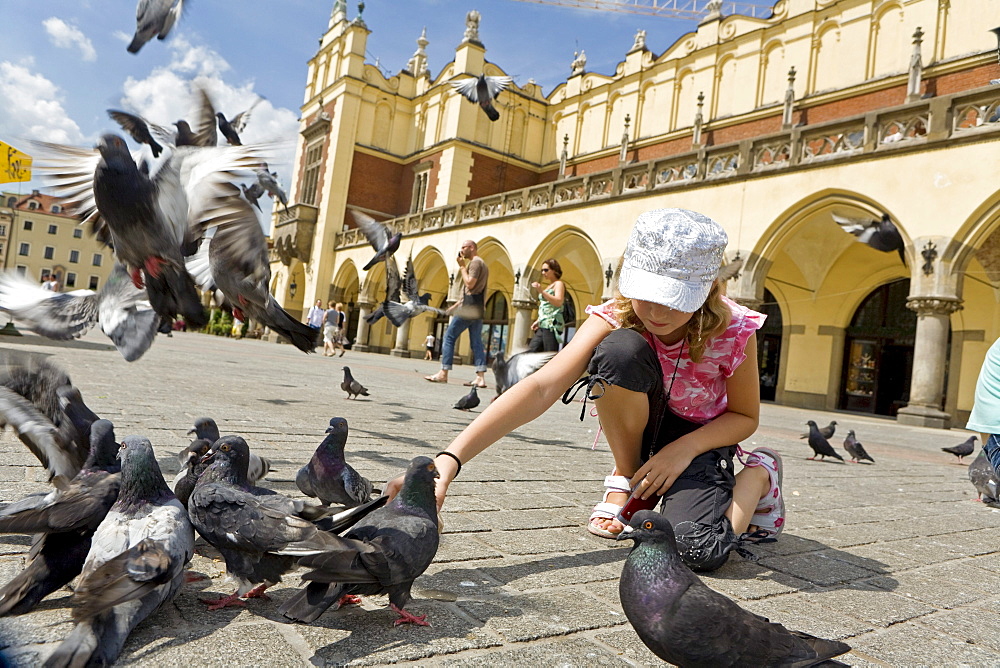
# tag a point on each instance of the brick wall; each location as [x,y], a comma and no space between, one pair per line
[377,183]
[490,176]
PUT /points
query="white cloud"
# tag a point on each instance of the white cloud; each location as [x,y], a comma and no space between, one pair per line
[65,36]
[33,107]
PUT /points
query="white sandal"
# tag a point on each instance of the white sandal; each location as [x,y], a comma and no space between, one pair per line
[606,510]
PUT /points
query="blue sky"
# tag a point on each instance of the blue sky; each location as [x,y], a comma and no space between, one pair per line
[63,62]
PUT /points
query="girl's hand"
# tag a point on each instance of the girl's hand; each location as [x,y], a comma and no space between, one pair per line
[393,486]
[662,470]
[536,285]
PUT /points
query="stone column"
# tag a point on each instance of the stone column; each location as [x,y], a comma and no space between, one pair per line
[361,338]
[522,325]
[930,354]
[402,348]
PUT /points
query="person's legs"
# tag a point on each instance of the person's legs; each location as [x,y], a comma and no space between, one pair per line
[478,350]
[550,342]
[992,448]
[455,327]
[536,345]
[752,484]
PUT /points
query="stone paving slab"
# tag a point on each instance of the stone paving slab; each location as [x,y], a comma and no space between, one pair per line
[893,558]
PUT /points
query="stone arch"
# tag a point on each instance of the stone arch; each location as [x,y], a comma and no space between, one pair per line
[890,54]
[580,260]
[497,257]
[829,70]
[346,283]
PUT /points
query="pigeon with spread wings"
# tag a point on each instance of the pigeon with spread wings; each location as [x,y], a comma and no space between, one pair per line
[882,235]
[483,90]
[418,303]
[154,18]
[393,286]
[379,236]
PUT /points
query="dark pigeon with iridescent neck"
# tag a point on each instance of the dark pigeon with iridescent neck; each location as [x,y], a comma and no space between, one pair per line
[685,623]
[963,449]
[329,477]
[821,447]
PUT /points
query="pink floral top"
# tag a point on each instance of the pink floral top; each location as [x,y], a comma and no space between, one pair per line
[699,390]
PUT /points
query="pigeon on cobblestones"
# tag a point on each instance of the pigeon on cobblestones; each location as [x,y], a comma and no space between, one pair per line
[685,623]
[191,468]
[206,428]
[985,480]
[821,447]
[63,522]
[135,565]
[507,372]
[827,431]
[329,477]
[469,401]
[351,386]
[855,449]
[382,554]
[963,449]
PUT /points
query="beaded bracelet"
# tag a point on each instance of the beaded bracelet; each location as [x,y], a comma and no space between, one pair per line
[453,456]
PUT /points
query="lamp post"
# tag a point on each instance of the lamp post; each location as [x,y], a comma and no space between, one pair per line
[292,287]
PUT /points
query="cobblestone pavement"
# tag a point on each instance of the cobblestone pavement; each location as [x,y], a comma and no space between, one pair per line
[894,558]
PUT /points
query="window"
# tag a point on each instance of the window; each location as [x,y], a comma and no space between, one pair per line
[22,270]
[97,259]
[28,225]
[11,202]
[24,249]
[419,191]
[93,283]
[53,229]
[44,274]
[56,208]
[32,205]
[70,280]
[314,156]
[3,230]
[49,252]
[77,233]
[74,256]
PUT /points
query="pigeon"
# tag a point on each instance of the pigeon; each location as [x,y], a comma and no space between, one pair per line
[984,479]
[686,623]
[123,311]
[393,287]
[482,90]
[418,303]
[191,468]
[154,18]
[38,401]
[329,477]
[230,129]
[63,522]
[855,449]
[253,193]
[826,432]
[138,128]
[517,368]
[269,182]
[730,270]
[259,535]
[382,554]
[821,447]
[351,386]
[135,565]
[379,236]
[206,428]
[882,235]
[469,401]
[963,449]
[235,261]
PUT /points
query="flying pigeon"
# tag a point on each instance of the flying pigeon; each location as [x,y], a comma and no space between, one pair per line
[351,386]
[269,182]
[138,128]
[393,286]
[258,535]
[984,479]
[469,401]
[382,554]
[235,261]
[963,449]
[253,193]
[123,311]
[328,477]
[821,447]
[399,313]
[483,90]
[135,565]
[379,236]
[882,235]
[855,449]
[826,432]
[685,623]
[206,428]
[63,522]
[730,270]
[517,368]
[231,128]
[154,18]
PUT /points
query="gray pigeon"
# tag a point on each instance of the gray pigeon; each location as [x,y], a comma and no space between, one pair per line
[351,386]
[855,449]
[685,623]
[882,235]
[518,367]
[469,401]
[963,449]
[135,565]
[382,554]
[63,522]
[418,303]
[206,428]
[154,18]
[123,311]
[483,90]
[985,480]
[826,432]
[393,292]
[231,128]
[329,477]
[253,193]
[821,447]
[269,182]
[379,236]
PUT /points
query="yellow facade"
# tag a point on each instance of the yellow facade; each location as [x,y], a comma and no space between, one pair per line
[889,110]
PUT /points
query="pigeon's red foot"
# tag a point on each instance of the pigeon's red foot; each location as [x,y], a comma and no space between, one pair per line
[136,276]
[407,618]
[349,599]
[191,576]
[223,602]
[238,314]
[258,592]
[810,458]
[153,265]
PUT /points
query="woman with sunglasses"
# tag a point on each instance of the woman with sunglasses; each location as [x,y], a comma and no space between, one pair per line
[548,328]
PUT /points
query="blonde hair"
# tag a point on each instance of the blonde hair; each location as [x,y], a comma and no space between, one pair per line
[339,305]
[710,320]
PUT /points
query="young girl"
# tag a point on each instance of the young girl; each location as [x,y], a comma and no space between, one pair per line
[672,370]
[548,327]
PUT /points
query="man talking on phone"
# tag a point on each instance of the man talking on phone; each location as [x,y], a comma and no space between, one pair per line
[467,314]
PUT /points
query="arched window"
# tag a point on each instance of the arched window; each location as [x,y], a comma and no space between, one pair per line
[495,327]
[769,347]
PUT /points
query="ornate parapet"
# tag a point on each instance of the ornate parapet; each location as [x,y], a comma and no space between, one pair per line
[293,233]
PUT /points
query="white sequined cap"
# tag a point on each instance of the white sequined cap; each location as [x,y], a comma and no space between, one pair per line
[672,257]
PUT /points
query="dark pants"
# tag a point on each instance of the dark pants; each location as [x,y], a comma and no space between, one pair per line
[544,341]
[697,501]
[992,449]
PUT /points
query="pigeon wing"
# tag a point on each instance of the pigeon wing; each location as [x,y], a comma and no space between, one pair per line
[82,504]
[397,313]
[522,365]
[56,315]
[204,125]
[410,281]
[239,121]
[497,84]
[126,316]
[126,577]
[862,228]
[37,432]
[376,233]
[730,270]
[467,87]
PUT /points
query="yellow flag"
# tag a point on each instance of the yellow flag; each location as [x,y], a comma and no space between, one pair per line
[14,165]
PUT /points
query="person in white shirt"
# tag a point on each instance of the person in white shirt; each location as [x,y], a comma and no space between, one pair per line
[315,316]
[429,345]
